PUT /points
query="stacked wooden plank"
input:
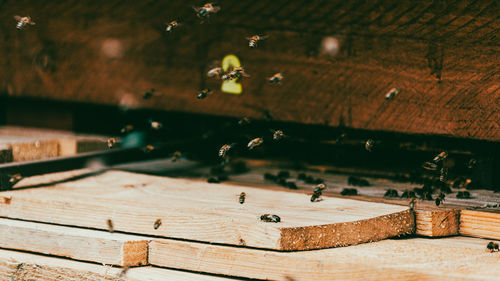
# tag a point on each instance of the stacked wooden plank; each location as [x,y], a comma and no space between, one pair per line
[127,219]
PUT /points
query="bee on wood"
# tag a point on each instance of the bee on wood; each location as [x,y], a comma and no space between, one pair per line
[205,11]
[369,144]
[412,204]
[492,246]
[440,199]
[463,195]
[157,224]
[440,157]
[149,94]
[278,135]
[408,194]
[224,150]
[253,40]
[127,129]
[111,142]
[15,178]
[155,125]
[430,166]
[215,72]
[176,156]
[204,93]
[391,193]
[23,21]
[242,197]
[7,200]
[109,222]
[254,143]
[444,174]
[276,78]
[349,191]
[318,191]
[392,93]
[172,25]
[213,180]
[270,218]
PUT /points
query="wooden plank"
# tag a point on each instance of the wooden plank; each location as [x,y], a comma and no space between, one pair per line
[21,266]
[437,223]
[442,55]
[455,258]
[200,211]
[80,244]
[483,223]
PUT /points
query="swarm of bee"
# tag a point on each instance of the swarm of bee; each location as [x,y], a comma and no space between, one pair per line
[253,40]
[23,21]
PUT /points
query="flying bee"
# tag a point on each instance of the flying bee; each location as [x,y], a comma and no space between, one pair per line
[204,93]
[172,25]
[111,142]
[176,156]
[412,204]
[444,174]
[392,93]
[253,40]
[472,163]
[244,121]
[492,246]
[216,71]
[155,125]
[278,135]
[23,21]
[318,191]
[148,148]
[270,218]
[440,157]
[157,224]
[242,197]
[430,166]
[205,11]
[276,78]
[440,199]
[369,144]
[224,150]
[254,143]
[127,129]
[236,73]
[109,222]
[149,94]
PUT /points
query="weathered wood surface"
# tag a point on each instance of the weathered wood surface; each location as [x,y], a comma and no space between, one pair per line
[456,258]
[480,223]
[441,54]
[21,266]
[195,210]
[79,244]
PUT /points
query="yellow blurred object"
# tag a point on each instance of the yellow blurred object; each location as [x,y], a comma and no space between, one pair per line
[231,86]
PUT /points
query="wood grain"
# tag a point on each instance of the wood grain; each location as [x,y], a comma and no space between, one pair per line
[200,211]
[456,258]
[485,224]
[80,244]
[21,266]
[442,55]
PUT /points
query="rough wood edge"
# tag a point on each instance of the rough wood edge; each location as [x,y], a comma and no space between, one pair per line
[481,224]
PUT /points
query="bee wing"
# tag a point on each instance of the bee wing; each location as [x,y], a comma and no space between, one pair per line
[264,37]
[32,22]
[16,17]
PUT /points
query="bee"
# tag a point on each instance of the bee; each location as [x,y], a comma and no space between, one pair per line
[278,135]
[224,150]
[349,191]
[244,121]
[236,73]
[205,11]
[176,156]
[318,191]
[216,71]
[270,218]
[440,157]
[472,163]
[123,272]
[391,193]
[276,78]
[148,148]
[440,199]
[155,125]
[430,166]
[149,94]
[444,174]
[463,195]
[172,25]
[412,204]
[355,181]
[369,144]
[111,142]
[7,200]
[204,93]
[340,138]
[254,143]
[253,40]
[492,246]
[109,222]
[242,197]
[392,93]
[23,21]
[15,178]
[127,129]
[408,194]
[157,224]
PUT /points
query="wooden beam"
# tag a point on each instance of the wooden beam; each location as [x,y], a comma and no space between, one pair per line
[401,259]
[80,244]
[437,223]
[194,210]
[23,266]
[480,223]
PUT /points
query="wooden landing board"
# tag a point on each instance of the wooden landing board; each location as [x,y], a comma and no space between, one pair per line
[200,211]
[482,223]
[21,266]
[79,244]
[454,258]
